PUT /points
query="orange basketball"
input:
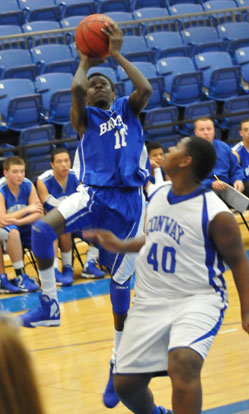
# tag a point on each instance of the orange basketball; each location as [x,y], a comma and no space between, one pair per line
[89,38]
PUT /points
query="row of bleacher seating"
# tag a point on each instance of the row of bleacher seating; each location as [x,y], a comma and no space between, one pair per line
[21,11]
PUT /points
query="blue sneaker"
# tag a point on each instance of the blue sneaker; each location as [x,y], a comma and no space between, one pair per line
[6,286]
[164,410]
[25,283]
[91,271]
[47,314]
[66,277]
[110,398]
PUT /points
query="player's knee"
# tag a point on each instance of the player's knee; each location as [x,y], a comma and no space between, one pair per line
[184,366]
[120,296]
[14,235]
[42,238]
[123,385]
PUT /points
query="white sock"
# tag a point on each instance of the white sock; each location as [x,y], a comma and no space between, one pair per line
[18,265]
[116,342]
[66,258]
[92,254]
[47,278]
[56,263]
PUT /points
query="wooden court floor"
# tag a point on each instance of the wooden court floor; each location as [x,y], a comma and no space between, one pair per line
[72,361]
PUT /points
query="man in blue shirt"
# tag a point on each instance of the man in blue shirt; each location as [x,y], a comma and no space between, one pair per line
[227,169]
[241,150]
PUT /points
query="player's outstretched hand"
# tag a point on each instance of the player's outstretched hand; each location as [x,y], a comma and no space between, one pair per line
[105,238]
[115,35]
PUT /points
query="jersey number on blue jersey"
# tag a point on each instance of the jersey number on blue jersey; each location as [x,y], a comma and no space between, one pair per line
[168,259]
[120,139]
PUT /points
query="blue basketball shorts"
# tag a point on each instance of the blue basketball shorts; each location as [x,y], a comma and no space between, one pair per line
[119,210]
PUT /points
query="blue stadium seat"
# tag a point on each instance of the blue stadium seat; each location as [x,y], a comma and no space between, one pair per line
[128,29]
[167,135]
[69,23]
[40,10]
[138,4]
[11,29]
[166,44]
[55,90]
[17,63]
[10,13]
[45,38]
[111,74]
[234,106]
[173,2]
[20,105]
[241,58]
[37,158]
[221,17]
[68,131]
[195,110]
[152,12]
[53,58]
[135,48]
[187,8]
[104,6]
[234,34]
[77,7]
[242,3]
[149,71]
[202,39]
[221,79]
[182,83]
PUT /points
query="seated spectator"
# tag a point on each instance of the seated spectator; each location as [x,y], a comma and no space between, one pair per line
[156,157]
[53,186]
[227,169]
[19,207]
[241,150]
[19,391]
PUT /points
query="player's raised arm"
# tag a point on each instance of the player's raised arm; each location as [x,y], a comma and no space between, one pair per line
[226,235]
[79,86]
[143,89]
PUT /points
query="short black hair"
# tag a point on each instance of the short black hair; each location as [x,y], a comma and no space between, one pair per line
[151,145]
[58,151]
[203,156]
[243,121]
[104,76]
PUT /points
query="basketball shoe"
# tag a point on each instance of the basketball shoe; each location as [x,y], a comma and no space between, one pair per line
[91,271]
[25,283]
[47,314]
[6,286]
[165,411]
[66,277]
[110,398]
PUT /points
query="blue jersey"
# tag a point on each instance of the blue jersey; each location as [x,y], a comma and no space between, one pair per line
[226,168]
[111,153]
[12,202]
[244,158]
[55,189]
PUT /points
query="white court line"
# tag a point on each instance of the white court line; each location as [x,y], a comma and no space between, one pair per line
[229,330]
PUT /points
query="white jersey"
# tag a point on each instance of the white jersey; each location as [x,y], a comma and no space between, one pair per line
[178,258]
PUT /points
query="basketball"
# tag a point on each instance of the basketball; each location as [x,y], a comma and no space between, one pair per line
[89,38]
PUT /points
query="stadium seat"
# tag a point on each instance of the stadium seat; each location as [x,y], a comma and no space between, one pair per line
[222,17]
[152,12]
[221,79]
[10,13]
[76,7]
[20,105]
[138,4]
[17,63]
[55,90]
[234,34]
[195,110]
[167,135]
[37,158]
[241,58]
[234,106]
[128,29]
[135,48]
[40,10]
[173,2]
[44,38]
[7,30]
[68,131]
[149,71]
[104,6]
[111,74]
[69,23]
[182,83]
[188,21]
[53,58]
[202,39]
[166,44]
